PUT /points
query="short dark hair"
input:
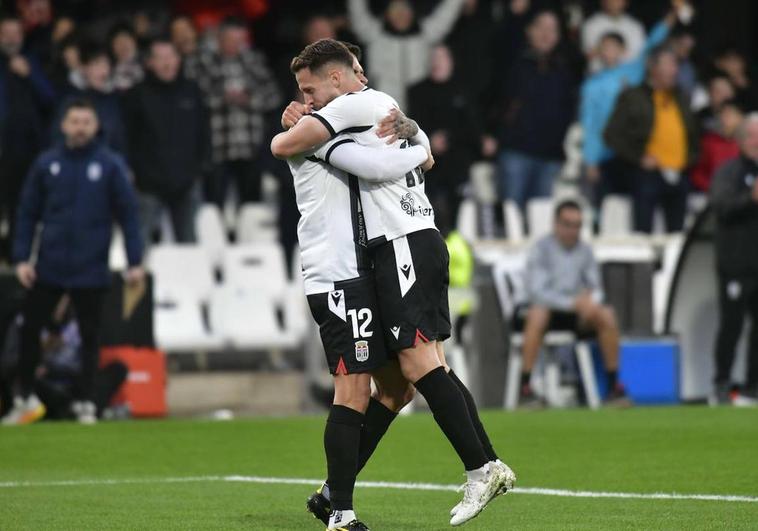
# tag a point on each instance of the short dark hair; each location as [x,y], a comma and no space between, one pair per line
[316,55]
[78,103]
[232,22]
[353,49]
[735,104]
[91,52]
[658,52]
[614,36]
[567,204]
[160,39]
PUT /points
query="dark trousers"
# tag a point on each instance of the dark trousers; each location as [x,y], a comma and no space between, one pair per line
[182,211]
[245,173]
[38,307]
[736,298]
[649,190]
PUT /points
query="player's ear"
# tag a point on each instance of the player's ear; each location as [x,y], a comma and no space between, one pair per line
[335,77]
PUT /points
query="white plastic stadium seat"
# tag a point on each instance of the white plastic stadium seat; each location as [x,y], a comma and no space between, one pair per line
[117,259]
[616,216]
[257,222]
[539,214]
[256,265]
[181,269]
[466,221]
[211,234]
[514,221]
[179,324]
[509,284]
[482,178]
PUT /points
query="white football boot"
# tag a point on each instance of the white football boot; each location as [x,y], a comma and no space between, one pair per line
[478,493]
[504,488]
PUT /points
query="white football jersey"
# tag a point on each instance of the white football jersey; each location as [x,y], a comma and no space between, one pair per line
[331,230]
[394,208]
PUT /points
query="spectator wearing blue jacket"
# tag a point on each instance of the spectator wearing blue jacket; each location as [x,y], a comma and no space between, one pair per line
[74,190]
[26,99]
[598,98]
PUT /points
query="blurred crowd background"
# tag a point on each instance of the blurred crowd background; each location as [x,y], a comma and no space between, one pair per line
[499,80]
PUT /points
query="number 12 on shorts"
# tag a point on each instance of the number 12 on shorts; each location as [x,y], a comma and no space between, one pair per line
[361,320]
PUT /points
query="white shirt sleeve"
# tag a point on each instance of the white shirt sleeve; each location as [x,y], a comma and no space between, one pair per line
[373,164]
[353,111]
[420,139]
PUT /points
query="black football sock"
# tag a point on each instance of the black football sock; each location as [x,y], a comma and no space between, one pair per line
[474,414]
[342,437]
[525,377]
[378,420]
[612,379]
[449,410]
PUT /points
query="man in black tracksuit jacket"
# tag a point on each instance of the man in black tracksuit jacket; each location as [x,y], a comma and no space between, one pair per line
[168,130]
[74,190]
[734,199]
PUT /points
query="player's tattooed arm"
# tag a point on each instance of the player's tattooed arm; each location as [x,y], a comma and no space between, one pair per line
[396,125]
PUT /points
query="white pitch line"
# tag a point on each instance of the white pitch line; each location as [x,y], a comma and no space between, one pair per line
[381,485]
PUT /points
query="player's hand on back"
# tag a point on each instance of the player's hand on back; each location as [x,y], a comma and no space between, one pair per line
[292,114]
[396,125]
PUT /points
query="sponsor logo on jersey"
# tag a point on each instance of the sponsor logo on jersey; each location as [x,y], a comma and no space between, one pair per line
[361,350]
[408,204]
[395,331]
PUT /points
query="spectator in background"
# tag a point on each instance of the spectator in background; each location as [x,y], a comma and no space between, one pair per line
[98,89]
[64,60]
[473,37]
[184,35]
[26,98]
[38,22]
[732,63]
[168,131]
[449,116]
[75,190]
[510,37]
[734,199]
[565,293]
[654,132]
[598,97]
[612,19]
[720,90]
[127,70]
[398,48]
[240,89]
[536,108]
[717,145]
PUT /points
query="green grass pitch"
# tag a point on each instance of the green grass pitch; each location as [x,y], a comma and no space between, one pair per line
[686,450]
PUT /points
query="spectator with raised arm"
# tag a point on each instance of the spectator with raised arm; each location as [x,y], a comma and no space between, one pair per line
[612,18]
[598,97]
[398,47]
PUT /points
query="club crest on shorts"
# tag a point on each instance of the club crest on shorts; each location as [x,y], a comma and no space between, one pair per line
[361,350]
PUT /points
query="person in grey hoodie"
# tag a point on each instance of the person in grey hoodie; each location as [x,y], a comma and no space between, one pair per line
[565,292]
[398,48]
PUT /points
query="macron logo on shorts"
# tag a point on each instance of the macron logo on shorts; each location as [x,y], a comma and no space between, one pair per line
[395,331]
[337,303]
[406,273]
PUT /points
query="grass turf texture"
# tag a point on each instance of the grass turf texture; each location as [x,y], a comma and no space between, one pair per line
[684,450]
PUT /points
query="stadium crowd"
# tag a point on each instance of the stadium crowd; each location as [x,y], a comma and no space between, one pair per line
[189,94]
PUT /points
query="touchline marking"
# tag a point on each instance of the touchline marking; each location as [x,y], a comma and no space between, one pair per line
[381,485]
